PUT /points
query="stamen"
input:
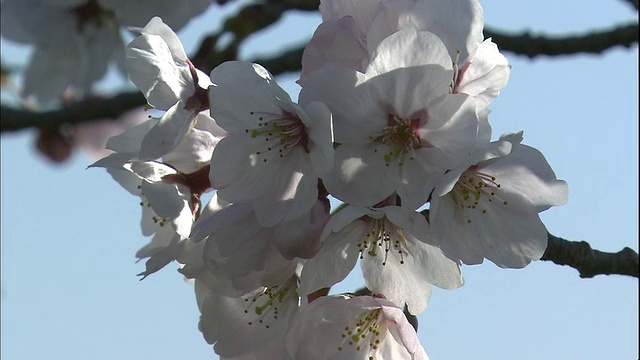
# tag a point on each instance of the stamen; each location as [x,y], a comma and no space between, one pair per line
[476,190]
[281,133]
[383,235]
[401,136]
[364,332]
[265,306]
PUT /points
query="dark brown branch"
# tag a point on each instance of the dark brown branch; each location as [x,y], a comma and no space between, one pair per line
[83,111]
[590,262]
[593,42]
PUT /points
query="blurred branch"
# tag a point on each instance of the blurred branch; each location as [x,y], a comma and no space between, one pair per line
[633,3]
[594,42]
[590,262]
[86,110]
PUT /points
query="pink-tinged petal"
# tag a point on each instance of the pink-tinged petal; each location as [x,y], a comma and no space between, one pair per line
[486,73]
[334,44]
[403,332]
[168,132]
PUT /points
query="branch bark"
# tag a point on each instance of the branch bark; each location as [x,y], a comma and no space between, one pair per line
[589,262]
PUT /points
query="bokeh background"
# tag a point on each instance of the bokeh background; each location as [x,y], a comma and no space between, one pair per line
[69,234]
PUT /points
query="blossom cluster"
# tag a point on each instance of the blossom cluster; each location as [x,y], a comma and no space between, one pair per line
[392,120]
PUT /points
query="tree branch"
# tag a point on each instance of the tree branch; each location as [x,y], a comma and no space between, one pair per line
[590,262]
[82,111]
[633,3]
[594,42]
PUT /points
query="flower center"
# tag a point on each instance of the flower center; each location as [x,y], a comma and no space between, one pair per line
[477,191]
[265,306]
[92,12]
[280,132]
[364,332]
[381,236]
[400,138]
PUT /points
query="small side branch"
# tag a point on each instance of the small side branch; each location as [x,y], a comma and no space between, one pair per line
[589,262]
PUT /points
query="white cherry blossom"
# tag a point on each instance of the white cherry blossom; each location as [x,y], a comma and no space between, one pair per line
[392,244]
[276,150]
[158,65]
[397,123]
[344,327]
[488,207]
[252,325]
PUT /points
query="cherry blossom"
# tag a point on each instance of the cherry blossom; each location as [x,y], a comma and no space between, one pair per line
[346,327]
[488,207]
[397,123]
[159,67]
[393,245]
[249,326]
[276,150]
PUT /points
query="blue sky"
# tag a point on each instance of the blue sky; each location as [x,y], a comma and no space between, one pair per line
[69,235]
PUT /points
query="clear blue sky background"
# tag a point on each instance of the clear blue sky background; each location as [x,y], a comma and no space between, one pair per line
[69,235]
